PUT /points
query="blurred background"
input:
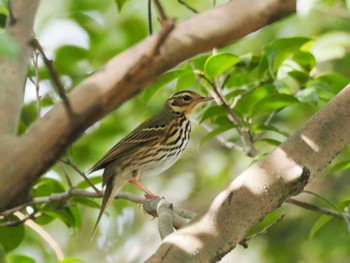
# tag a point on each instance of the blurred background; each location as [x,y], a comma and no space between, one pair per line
[82,35]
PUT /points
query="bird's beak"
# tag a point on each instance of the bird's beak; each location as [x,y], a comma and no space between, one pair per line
[203,99]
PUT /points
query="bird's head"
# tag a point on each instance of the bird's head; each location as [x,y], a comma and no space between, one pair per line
[185,102]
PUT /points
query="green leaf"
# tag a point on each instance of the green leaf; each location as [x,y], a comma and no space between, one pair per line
[216,131]
[164,79]
[213,111]
[8,46]
[69,60]
[186,80]
[120,4]
[270,53]
[85,201]
[261,128]
[95,180]
[11,236]
[71,260]
[319,224]
[304,59]
[340,166]
[272,103]
[64,214]
[29,113]
[46,186]
[285,48]
[271,141]
[299,76]
[219,63]
[259,157]
[245,104]
[20,259]
[307,95]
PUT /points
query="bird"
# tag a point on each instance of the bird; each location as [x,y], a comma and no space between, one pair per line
[150,149]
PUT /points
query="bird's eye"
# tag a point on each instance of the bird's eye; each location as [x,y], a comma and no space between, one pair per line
[186,98]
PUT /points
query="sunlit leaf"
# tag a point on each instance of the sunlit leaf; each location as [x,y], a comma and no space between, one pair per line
[219,63]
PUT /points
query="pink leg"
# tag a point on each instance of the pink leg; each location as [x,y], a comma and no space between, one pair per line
[148,193]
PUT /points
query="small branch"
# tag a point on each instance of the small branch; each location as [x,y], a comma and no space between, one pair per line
[63,197]
[187,6]
[70,185]
[315,208]
[11,16]
[149,11]
[163,16]
[37,86]
[55,78]
[232,117]
[71,164]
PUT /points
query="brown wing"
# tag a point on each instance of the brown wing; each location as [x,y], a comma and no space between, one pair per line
[146,133]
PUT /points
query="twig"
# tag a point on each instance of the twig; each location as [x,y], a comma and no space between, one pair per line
[261,232]
[187,6]
[21,221]
[232,117]
[63,197]
[163,16]
[312,207]
[149,11]
[70,185]
[36,83]
[58,84]
[11,16]
[71,164]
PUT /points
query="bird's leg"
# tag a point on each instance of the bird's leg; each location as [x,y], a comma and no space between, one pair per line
[148,193]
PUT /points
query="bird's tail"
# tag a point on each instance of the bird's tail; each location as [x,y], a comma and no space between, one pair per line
[111,191]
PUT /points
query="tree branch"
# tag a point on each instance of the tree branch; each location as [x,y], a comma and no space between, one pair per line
[14,71]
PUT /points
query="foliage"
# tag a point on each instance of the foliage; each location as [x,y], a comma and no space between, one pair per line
[265,87]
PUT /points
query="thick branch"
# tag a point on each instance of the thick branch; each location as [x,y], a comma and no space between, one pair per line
[13,71]
[261,188]
[114,84]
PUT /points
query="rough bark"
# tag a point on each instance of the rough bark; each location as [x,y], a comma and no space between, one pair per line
[261,188]
[121,78]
